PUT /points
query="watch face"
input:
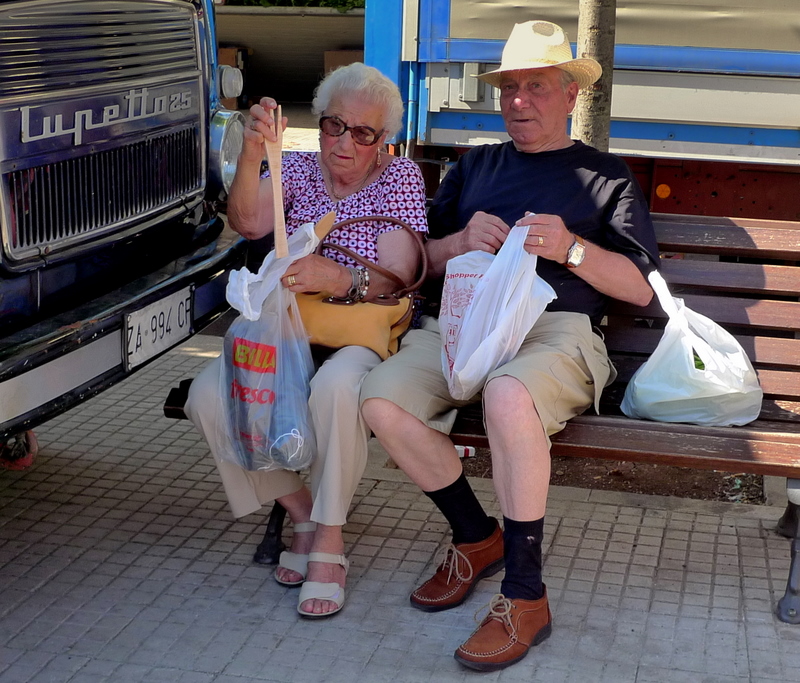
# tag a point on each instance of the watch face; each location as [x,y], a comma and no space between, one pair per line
[575,255]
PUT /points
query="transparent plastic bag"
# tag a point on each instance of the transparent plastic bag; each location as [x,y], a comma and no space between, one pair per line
[266,369]
[265,380]
[489,304]
[698,373]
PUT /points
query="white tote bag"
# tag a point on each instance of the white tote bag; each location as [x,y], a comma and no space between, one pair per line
[489,304]
[698,373]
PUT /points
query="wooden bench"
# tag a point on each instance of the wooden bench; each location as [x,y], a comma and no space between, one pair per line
[745,275]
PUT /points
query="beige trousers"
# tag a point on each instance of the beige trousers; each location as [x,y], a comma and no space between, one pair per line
[563,364]
[339,428]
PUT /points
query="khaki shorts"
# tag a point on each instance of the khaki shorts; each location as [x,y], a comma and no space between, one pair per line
[563,364]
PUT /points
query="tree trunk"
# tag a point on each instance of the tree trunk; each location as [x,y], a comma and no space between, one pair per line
[591,120]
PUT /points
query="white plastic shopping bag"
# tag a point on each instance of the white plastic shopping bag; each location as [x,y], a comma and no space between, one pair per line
[266,370]
[698,373]
[489,304]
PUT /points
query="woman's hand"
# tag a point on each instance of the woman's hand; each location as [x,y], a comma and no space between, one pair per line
[261,127]
[250,204]
[314,273]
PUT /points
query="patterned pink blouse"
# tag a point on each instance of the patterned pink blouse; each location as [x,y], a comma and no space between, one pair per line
[399,192]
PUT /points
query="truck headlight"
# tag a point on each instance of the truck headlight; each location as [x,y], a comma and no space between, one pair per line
[231,81]
[226,137]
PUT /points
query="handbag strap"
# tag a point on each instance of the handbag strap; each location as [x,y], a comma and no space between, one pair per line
[404,290]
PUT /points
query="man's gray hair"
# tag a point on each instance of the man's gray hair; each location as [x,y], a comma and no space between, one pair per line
[366,83]
[566,79]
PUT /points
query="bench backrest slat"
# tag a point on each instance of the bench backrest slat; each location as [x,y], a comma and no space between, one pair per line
[725,237]
[767,314]
[777,384]
[771,351]
[749,278]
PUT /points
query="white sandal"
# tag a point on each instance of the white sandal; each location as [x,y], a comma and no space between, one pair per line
[296,562]
[316,590]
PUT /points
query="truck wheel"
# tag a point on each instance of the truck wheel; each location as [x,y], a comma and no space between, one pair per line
[19,451]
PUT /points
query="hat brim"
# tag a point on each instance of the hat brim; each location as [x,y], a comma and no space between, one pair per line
[584,71]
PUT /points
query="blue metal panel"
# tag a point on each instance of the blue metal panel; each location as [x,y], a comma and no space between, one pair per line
[209,45]
[644,57]
[383,35]
[707,60]
[478,121]
[434,31]
[731,135]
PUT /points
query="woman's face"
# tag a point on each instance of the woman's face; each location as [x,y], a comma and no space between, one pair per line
[342,156]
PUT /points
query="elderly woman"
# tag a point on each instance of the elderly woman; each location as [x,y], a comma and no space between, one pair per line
[353,176]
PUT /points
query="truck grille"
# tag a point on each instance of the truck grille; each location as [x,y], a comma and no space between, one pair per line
[56,203]
[113,93]
[68,43]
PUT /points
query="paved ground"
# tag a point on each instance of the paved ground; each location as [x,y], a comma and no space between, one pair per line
[119,562]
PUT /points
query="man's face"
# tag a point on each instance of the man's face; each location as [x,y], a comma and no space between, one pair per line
[535,106]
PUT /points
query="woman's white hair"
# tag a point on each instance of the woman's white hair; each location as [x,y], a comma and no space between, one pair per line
[367,83]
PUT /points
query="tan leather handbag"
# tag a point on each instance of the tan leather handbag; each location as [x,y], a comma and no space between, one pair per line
[377,322]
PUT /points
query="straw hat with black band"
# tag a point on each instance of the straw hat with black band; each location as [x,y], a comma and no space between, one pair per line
[539,44]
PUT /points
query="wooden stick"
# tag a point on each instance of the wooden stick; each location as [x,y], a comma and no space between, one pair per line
[274,160]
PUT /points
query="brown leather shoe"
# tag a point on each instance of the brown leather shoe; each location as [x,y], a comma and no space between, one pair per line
[464,565]
[504,637]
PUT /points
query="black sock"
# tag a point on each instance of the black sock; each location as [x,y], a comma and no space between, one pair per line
[457,502]
[522,551]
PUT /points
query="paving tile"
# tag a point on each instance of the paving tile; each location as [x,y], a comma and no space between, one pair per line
[120,562]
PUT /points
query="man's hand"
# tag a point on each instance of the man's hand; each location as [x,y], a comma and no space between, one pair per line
[548,237]
[484,232]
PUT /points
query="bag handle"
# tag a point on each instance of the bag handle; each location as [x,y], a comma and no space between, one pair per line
[663,294]
[677,315]
[404,290]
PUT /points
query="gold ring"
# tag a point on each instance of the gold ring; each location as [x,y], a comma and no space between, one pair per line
[541,240]
[292,281]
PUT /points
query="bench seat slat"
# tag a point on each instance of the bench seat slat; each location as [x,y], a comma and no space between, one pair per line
[746,449]
[636,442]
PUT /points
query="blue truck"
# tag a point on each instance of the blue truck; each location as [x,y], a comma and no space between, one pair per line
[706,96]
[115,154]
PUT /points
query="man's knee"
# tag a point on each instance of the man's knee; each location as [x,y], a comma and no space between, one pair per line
[505,398]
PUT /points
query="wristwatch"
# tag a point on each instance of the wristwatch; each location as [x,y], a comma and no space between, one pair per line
[576,253]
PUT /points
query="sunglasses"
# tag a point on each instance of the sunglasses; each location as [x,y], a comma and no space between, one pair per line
[362,135]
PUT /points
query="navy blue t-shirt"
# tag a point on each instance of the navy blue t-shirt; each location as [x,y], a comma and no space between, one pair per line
[593,192]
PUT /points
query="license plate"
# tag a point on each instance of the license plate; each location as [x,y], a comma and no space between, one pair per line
[158,327]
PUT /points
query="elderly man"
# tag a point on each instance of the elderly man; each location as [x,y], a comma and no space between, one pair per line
[591,229]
